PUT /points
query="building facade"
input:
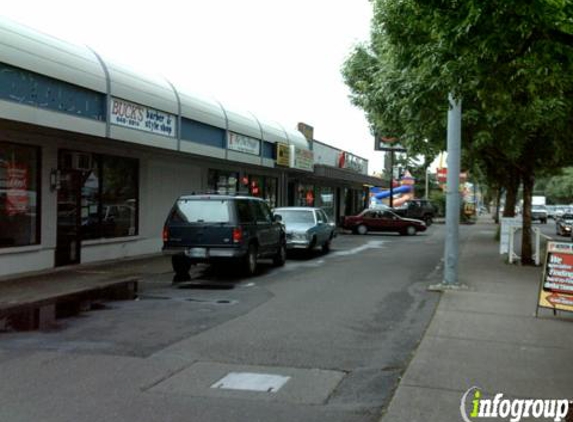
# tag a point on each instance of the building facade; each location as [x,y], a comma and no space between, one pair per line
[93,155]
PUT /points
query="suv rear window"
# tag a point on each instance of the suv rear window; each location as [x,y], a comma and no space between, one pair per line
[202,211]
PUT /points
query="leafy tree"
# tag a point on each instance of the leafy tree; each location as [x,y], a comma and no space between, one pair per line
[511,63]
[560,188]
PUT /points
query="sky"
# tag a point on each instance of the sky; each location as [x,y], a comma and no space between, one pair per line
[280,60]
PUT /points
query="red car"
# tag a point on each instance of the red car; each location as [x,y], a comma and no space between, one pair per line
[382,221]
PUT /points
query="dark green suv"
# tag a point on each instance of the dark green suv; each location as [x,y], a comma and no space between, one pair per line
[221,229]
[419,209]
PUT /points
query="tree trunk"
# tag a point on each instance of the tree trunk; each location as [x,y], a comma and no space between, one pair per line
[512,186]
[526,247]
[497,204]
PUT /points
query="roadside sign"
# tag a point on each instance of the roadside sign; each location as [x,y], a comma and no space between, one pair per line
[506,224]
[388,143]
[556,289]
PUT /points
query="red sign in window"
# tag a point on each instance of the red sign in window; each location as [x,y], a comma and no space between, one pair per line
[17,189]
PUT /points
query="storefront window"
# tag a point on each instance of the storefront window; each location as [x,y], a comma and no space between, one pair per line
[19,195]
[119,196]
[324,198]
[109,193]
[223,182]
[90,202]
[261,187]
[271,184]
[305,196]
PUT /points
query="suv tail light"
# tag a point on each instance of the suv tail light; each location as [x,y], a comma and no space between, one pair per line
[237,235]
[165,234]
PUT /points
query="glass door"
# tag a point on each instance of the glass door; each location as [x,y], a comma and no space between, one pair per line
[69,218]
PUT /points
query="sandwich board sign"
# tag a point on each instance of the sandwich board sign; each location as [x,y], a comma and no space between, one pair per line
[556,288]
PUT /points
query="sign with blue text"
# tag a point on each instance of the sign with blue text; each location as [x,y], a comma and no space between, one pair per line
[135,116]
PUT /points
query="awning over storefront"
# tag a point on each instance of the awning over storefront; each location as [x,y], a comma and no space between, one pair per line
[345,175]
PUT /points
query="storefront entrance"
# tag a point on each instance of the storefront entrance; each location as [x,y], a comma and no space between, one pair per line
[69,218]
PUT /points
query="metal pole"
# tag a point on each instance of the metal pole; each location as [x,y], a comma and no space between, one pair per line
[427,185]
[391,179]
[453,193]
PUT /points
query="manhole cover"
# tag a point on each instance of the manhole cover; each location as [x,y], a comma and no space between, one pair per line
[248,381]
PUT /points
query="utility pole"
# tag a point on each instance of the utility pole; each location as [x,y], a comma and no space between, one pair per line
[451,254]
[427,183]
[391,202]
[451,250]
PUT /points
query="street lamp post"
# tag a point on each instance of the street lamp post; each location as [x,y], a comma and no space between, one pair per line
[451,253]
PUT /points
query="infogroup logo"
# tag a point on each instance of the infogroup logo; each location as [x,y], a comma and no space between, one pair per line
[511,409]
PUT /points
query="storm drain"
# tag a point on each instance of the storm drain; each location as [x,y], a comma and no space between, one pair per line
[206,285]
[211,301]
[191,299]
[248,381]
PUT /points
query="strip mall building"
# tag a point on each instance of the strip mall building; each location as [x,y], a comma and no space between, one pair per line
[93,155]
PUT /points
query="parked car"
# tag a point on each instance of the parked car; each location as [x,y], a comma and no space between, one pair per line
[563,224]
[539,213]
[551,209]
[222,228]
[560,210]
[383,221]
[306,228]
[418,209]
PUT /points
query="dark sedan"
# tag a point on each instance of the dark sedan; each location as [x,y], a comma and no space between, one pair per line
[382,221]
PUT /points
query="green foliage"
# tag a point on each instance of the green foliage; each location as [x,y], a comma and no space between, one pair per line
[559,189]
[438,198]
[510,61]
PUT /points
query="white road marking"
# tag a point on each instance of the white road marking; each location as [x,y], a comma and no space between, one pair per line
[373,244]
[295,265]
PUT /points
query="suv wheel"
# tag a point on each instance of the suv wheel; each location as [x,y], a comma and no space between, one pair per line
[280,258]
[181,266]
[250,262]
[428,220]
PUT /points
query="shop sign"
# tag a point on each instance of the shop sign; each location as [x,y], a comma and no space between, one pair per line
[16,189]
[135,116]
[556,290]
[242,143]
[301,159]
[283,155]
[352,162]
[507,224]
[388,143]
[306,130]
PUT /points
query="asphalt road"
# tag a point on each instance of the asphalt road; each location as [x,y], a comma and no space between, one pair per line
[325,338]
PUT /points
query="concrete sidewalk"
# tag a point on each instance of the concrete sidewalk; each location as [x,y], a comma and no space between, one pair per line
[488,337]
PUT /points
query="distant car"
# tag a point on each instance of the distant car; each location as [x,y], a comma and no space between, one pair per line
[222,229]
[563,224]
[551,209]
[306,227]
[382,221]
[560,210]
[539,213]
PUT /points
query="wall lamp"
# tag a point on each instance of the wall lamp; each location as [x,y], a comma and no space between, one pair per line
[55,182]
